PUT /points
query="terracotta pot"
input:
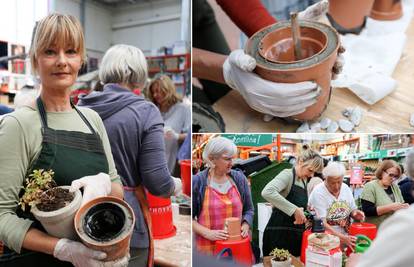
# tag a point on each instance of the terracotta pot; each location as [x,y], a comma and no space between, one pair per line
[349,16]
[233,227]
[106,224]
[272,47]
[387,10]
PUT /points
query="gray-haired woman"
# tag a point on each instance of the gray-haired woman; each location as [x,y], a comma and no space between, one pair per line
[135,130]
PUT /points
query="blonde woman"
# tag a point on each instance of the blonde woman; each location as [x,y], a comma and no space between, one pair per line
[288,195]
[53,134]
[176,115]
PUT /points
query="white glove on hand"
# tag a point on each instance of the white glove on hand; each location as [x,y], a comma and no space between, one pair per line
[276,99]
[178,186]
[315,11]
[78,254]
[170,133]
[94,186]
[122,262]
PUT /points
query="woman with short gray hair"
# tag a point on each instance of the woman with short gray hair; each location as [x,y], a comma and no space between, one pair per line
[218,193]
[334,203]
[135,131]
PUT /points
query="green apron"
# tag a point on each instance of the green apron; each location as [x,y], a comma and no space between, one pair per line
[280,232]
[71,155]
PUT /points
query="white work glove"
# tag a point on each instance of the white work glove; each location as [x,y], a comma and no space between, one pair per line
[315,11]
[178,190]
[94,186]
[276,99]
[170,133]
[81,256]
[78,254]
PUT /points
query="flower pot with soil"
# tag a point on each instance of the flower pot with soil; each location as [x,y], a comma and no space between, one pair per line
[349,16]
[387,10]
[280,258]
[273,49]
[56,211]
[54,206]
[106,224]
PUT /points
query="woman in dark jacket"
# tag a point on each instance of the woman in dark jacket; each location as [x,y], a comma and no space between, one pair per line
[218,193]
[136,135]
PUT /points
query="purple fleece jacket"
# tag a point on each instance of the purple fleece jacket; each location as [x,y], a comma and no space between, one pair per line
[136,133]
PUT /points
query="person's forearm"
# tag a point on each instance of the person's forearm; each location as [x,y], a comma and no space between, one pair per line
[39,241]
[329,228]
[117,190]
[198,228]
[381,210]
[208,65]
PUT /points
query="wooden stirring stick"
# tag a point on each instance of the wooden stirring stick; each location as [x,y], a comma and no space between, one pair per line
[296,35]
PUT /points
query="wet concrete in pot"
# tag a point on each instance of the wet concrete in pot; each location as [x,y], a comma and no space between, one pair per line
[104,222]
[272,48]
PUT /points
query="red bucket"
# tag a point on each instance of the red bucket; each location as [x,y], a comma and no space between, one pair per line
[155,202]
[241,249]
[185,166]
[162,222]
[367,229]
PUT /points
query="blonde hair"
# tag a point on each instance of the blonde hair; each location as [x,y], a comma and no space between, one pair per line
[311,158]
[124,64]
[60,30]
[385,165]
[166,86]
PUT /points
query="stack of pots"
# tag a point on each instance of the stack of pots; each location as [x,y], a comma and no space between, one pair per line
[272,48]
[387,10]
[161,217]
[349,16]
[106,224]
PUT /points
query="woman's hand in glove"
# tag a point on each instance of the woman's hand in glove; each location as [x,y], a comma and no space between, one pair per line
[276,99]
[94,186]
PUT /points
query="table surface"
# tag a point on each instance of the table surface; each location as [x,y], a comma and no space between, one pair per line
[176,250]
[390,115]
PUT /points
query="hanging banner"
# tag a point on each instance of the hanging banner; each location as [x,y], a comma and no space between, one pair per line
[250,139]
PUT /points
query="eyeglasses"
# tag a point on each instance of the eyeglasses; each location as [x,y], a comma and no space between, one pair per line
[393,176]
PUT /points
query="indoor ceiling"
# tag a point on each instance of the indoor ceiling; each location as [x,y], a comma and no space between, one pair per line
[115,3]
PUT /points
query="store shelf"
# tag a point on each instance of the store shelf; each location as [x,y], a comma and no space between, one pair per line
[385,153]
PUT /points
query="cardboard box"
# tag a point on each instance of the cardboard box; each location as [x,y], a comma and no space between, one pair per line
[321,258]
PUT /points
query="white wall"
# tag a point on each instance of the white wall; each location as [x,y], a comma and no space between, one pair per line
[18,18]
[148,25]
[97,28]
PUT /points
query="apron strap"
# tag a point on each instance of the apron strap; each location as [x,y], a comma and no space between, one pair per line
[143,203]
[43,116]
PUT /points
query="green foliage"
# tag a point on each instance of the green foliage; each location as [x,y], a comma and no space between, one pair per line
[280,254]
[38,182]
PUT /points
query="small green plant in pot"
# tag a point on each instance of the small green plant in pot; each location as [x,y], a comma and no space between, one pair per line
[54,206]
[280,258]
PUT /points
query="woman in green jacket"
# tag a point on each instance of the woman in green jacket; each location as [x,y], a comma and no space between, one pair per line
[381,197]
[287,193]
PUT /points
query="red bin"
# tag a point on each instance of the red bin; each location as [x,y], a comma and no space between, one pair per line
[154,202]
[241,250]
[161,217]
[185,167]
[367,229]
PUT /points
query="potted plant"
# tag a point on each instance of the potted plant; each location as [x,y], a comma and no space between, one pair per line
[280,258]
[54,206]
